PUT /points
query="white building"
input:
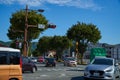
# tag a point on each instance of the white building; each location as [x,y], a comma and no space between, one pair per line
[111,50]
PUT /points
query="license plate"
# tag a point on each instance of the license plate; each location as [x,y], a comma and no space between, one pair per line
[96,74]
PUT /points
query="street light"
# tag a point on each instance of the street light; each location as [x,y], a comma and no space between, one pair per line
[25,30]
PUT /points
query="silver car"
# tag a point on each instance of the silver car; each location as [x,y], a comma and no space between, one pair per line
[70,61]
[102,68]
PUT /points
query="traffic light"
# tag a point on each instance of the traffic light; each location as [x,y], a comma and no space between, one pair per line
[17,44]
[51,26]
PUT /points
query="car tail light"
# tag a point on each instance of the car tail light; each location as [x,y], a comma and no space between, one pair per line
[54,61]
[46,61]
[20,62]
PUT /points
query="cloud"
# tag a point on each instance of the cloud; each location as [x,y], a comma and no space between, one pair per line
[22,2]
[84,4]
[6,1]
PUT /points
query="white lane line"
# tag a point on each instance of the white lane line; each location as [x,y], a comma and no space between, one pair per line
[62,75]
[43,75]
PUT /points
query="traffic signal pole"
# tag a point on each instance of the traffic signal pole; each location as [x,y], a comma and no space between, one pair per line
[25,44]
[25,33]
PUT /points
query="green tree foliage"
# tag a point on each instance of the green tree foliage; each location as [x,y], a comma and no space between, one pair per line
[83,34]
[17,25]
[16,29]
[44,44]
[57,43]
[13,44]
[60,43]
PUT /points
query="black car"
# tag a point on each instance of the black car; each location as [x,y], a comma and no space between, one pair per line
[50,62]
[28,65]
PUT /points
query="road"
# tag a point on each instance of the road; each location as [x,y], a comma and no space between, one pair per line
[59,72]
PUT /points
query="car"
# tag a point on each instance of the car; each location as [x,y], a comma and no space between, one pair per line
[34,59]
[70,61]
[10,64]
[41,59]
[102,68]
[50,62]
[28,65]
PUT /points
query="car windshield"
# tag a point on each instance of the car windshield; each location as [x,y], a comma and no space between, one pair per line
[70,59]
[103,62]
[50,59]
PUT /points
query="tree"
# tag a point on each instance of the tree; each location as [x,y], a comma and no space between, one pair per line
[83,34]
[57,43]
[43,45]
[60,43]
[17,21]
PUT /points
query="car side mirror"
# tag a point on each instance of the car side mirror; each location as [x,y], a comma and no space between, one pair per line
[116,64]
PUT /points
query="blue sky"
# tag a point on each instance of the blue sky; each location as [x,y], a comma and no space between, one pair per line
[105,14]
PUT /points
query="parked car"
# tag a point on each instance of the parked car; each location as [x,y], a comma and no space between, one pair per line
[70,61]
[50,62]
[41,59]
[10,64]
[28,65]
[102,68]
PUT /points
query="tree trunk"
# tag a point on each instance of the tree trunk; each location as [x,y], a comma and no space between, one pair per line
[81,58]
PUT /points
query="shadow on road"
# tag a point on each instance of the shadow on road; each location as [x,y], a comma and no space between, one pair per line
[78,78]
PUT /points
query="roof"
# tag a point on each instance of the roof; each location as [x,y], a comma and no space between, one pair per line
[103,58]
[9,49]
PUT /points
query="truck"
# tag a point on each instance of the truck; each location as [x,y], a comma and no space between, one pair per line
[97,52]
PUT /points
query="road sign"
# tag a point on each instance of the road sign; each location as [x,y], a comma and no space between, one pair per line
[41,26]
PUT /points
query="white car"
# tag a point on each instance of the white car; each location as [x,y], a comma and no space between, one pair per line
[102,68]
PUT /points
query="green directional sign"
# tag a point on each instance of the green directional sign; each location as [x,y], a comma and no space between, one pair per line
[99,52]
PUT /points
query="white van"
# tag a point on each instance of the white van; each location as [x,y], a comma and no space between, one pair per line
[10,64]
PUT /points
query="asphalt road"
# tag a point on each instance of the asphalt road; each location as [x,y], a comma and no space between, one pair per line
[59,72]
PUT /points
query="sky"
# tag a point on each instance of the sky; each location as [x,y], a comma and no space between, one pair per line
[105,14]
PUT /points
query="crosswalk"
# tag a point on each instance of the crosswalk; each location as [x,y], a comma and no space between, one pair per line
[60,69]
[55,73]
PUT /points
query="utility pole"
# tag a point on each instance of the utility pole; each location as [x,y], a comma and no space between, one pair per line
[25,33]
[25,44]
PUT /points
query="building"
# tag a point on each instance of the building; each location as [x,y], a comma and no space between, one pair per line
[111,50]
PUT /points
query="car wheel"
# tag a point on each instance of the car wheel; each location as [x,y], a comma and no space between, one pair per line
[86,79]
[33,69]
[13,79]
[22,70]
[118,77]
[75,65]
[64,64]
[54,65]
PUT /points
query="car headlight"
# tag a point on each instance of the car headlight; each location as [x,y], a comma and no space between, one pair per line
[109,70]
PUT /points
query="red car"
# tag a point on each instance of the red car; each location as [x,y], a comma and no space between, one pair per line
[41,59]
[28,65]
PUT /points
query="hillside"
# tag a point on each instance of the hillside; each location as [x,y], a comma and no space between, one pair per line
[34,44]
[5,43]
